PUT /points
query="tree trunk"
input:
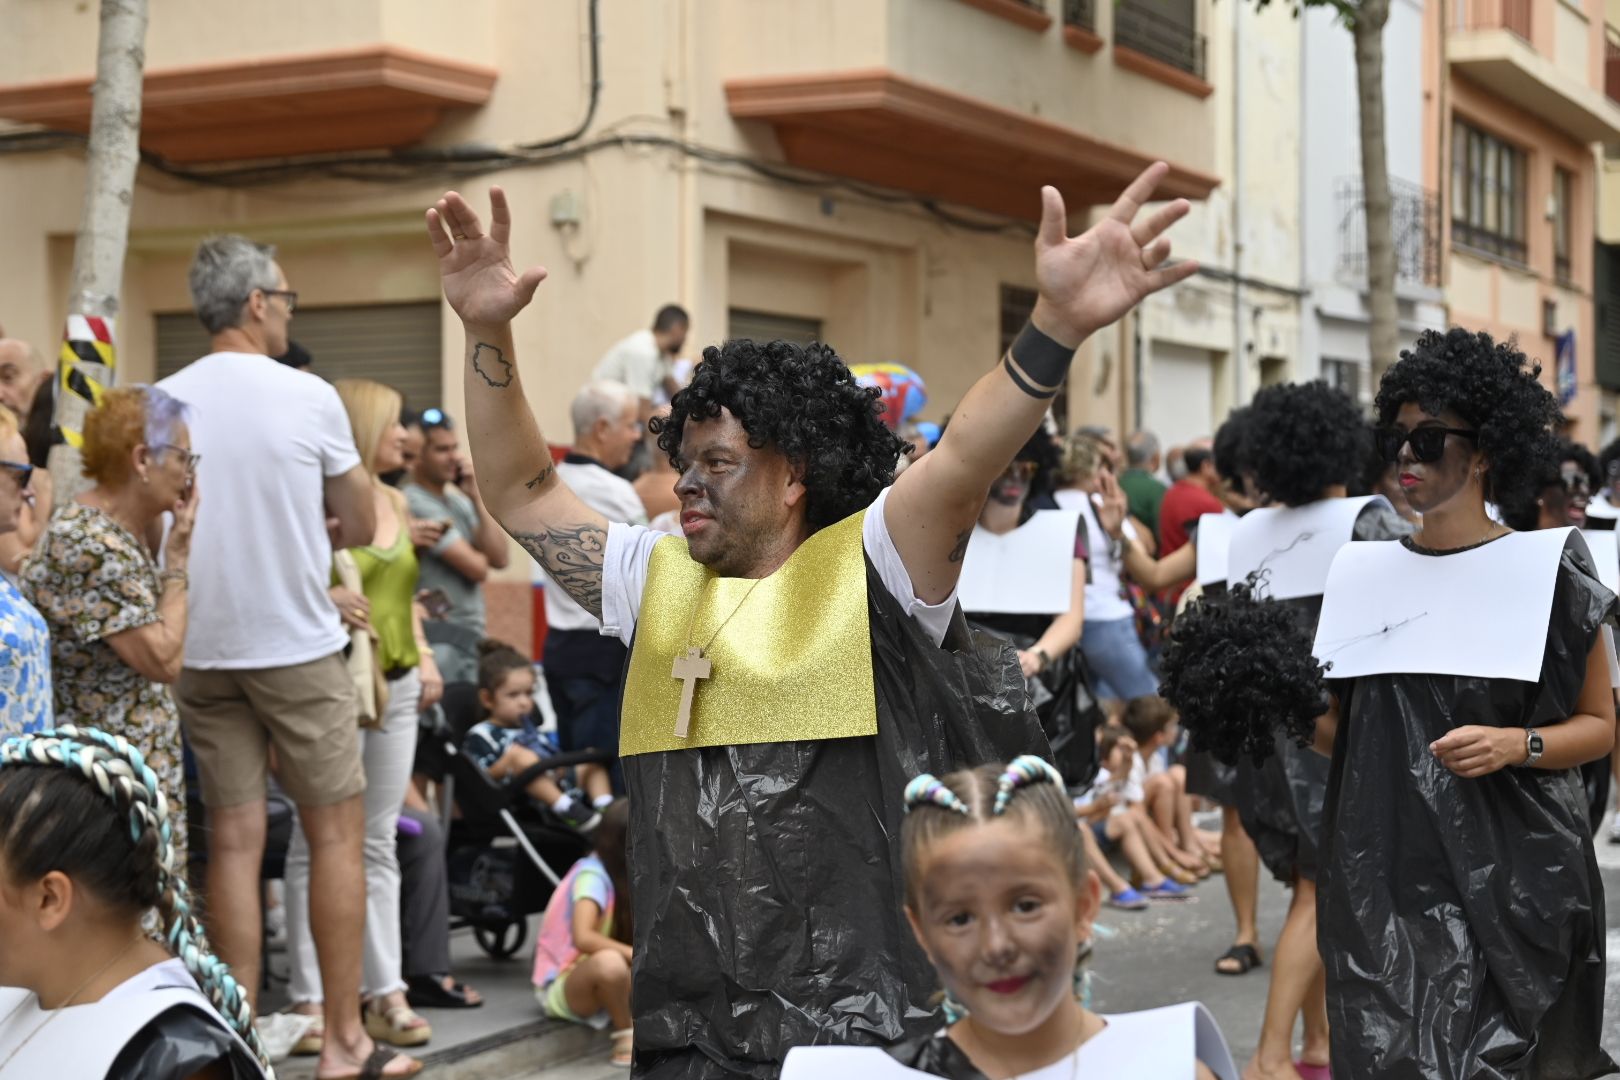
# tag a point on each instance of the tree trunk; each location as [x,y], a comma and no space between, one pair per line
[1383,331]
[87,362]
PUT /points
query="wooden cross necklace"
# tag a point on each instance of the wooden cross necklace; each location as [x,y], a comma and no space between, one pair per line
[694,665]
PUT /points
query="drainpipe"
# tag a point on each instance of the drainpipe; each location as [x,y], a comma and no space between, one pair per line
[1240,355]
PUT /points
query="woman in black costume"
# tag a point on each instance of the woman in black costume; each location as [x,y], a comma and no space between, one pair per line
[1460,907]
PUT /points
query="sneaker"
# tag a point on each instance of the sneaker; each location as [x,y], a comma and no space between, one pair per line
[1614,830]
[1128,899]
[1167,890]
[581,817]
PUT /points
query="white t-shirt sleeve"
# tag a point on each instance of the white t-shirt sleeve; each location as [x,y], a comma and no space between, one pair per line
[334,440]
[624,576]
[934,618]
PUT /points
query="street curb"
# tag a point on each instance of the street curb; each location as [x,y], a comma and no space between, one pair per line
[502,1055]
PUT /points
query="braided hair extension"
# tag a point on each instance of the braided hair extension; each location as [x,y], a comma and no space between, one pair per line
[47,825]
[937,806]
[1238,669]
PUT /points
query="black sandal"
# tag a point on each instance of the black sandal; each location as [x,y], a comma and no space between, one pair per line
[429,992]
[1247,957]
[374,1065]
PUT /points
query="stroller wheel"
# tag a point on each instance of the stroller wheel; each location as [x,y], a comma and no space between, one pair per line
[502,941]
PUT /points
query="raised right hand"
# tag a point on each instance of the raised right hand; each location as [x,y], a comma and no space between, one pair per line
[1111,504]
[476,269]
[177,548]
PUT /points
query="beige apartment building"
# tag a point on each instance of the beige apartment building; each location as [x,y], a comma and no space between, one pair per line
[863,172]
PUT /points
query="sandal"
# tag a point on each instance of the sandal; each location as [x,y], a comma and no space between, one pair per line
[430,992]
[374,1066]
[398,1026]
[624,1049]
[1307,1071]
[1127,899]
[313,1040]
[1245,956]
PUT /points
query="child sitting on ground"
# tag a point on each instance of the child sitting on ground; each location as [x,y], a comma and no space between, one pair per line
[1151,720]
[582,957]
[1000,898]
[86,854]
[507,741]
[1106,812]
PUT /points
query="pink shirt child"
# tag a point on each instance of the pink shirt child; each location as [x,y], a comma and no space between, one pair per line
[555,951]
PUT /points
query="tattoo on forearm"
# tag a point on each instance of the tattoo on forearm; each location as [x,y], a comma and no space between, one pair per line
[541,477]
[959,552]
[497,362]
[573,557]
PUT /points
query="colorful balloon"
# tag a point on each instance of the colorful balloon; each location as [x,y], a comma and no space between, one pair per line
[904,394]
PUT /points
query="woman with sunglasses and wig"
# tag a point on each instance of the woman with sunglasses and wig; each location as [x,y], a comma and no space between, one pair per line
[1461,915]
[25,659]
[117,616]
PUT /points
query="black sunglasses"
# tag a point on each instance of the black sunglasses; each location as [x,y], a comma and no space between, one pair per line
[21,470]
[1428,443]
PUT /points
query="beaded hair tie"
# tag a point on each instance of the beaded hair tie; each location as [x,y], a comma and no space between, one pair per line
[926,790]
[1023,770]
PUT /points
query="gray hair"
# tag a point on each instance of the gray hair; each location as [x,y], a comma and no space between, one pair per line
[164,413]
[224,273]
[602,399]
[1142,448]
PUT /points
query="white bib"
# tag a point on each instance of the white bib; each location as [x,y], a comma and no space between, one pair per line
[1029,571]
[1294,545]
[1480,613]
[1214,546]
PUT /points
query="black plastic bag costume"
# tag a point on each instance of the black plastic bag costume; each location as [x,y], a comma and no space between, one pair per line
[792,932]
[1461,920]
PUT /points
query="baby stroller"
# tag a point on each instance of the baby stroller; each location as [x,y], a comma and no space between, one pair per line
[505,855]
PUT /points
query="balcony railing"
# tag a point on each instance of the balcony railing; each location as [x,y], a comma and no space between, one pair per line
[1611,62]
[1080,13]
[1511,15]
[1164,39]
[1414,225]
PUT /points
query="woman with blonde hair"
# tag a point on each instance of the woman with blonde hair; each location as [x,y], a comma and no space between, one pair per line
[117,620]
[385,608]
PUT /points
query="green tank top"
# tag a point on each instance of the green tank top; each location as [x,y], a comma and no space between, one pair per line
[388,577]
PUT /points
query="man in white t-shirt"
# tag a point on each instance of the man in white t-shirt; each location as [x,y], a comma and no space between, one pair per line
[264,660]
[584,669]
[644,361]
[787,675]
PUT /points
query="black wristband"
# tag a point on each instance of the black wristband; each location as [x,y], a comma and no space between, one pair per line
[1023,383]
[1044,361]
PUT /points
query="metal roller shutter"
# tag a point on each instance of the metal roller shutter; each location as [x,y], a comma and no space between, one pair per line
[396,344]
[765,326]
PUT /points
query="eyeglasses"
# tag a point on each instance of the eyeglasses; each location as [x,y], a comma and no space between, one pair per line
[1428,443]
[191,459]
[23,471]
[286,294]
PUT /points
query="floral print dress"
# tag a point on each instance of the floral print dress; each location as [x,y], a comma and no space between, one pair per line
[25,665]
[91,578]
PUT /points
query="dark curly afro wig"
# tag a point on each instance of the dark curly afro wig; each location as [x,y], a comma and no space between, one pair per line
[1523,513]
[801,401]
[1232,448]
[1495,389]
[1239,669]
[1304,438]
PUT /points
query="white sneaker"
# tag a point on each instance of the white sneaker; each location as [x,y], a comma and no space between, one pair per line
[1614,829]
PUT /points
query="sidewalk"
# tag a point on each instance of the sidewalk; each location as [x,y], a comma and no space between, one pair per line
[506,1039]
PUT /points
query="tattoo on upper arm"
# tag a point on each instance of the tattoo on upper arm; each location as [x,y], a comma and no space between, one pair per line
[503,377]
[573,556]
[959,552]
[541,477]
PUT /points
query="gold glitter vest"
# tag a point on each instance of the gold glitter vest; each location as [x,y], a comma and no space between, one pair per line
[792,662]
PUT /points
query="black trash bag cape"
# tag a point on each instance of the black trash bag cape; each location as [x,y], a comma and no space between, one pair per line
[179,1044]
[786,927]
[1462,921]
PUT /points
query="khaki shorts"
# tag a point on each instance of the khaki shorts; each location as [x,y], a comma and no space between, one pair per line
[307,711]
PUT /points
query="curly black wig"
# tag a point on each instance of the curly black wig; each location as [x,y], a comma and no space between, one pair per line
[1584,459]
[802,401]
[1042,451]
[1523,512]
[1494,388]
[1239,669]
[1303,438]
[1232,448]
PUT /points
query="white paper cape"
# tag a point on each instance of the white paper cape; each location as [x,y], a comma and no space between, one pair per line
[1029,571]
[1294,545]
[1214,544]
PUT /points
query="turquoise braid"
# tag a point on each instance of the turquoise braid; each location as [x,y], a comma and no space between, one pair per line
[926,790]
[119,771]
[1022,770]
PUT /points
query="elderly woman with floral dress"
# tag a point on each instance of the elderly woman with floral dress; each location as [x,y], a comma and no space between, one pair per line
[118,621]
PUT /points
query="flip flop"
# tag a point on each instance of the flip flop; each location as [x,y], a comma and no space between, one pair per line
[429,992]
[374,1065]
[1127,899]
[1247,958]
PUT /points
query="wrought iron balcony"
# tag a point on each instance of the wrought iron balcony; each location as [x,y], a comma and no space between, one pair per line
[1414,225]
[1080,13]
[1167,40]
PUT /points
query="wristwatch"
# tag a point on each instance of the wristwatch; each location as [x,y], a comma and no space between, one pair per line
[1533,747]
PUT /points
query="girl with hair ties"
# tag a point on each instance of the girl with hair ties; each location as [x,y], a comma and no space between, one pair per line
[1461,910]
[86,855]
[1000,897]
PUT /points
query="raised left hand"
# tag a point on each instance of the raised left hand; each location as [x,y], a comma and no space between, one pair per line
[1475,750]
[1088,281]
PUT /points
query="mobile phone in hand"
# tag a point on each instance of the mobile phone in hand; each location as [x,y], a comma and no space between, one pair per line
[436,602]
